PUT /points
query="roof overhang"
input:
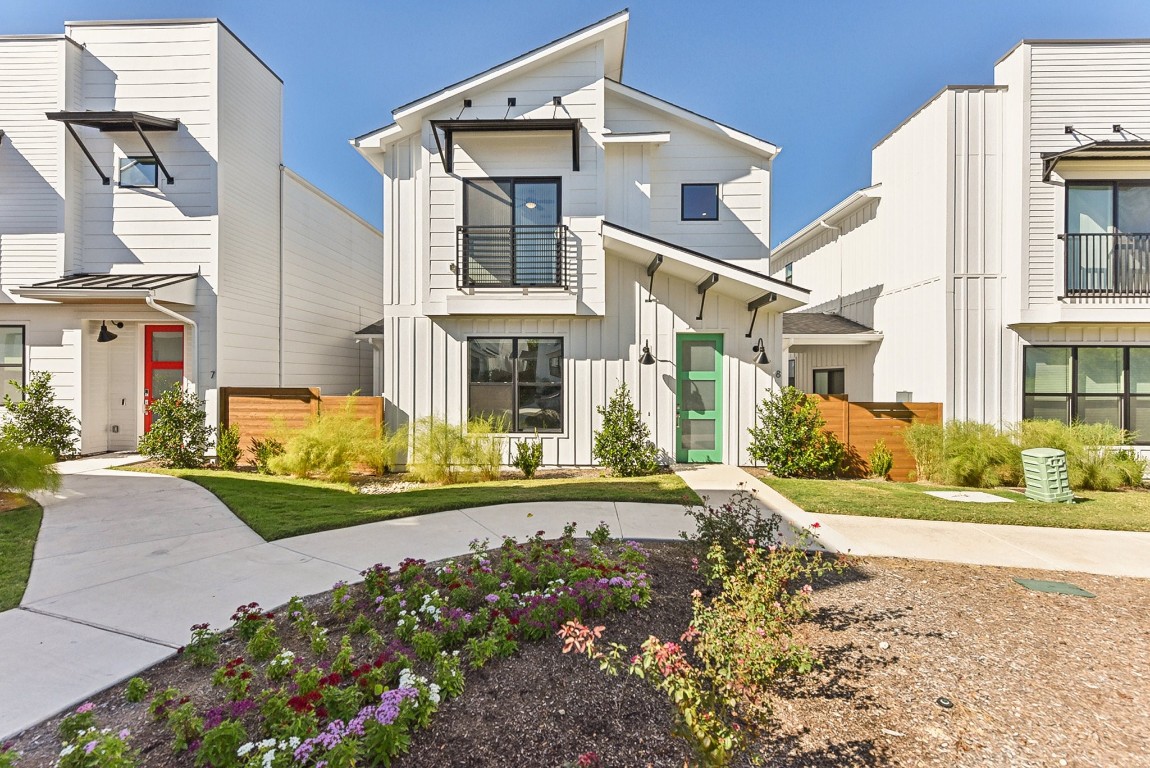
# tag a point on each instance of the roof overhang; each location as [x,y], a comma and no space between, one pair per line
[117,121]
[793,340]
[1095,150]
[523,125]
[114,288]
[640,137]
[850,205]
[612,31]
[373,331]
[704,271]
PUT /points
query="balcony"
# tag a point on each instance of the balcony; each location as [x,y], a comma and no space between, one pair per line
[1107,265]
[511,256]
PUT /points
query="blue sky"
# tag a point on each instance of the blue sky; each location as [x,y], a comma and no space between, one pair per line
[823,79]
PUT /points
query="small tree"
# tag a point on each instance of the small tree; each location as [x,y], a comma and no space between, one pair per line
[179,436]
[228,448]
[37,420]
[790,439]
[624,444]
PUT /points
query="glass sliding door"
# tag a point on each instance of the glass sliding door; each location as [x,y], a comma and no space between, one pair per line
[1090,222]
[511,232]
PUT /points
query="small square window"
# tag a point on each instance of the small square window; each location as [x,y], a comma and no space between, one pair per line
[138,172]
[700,202]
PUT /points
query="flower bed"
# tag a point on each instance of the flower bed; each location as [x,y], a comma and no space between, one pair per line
[345,679]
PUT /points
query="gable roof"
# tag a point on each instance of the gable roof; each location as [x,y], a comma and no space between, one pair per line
[612,30]
[842,209]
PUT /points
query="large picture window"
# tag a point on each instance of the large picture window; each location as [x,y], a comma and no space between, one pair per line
[11,359]
[1094,385]
[518,380]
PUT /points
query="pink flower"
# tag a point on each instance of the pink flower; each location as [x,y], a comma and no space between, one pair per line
[87,706]
[807,589]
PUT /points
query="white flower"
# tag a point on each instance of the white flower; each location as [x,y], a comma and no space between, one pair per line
[293,742]
[267,743]
[244,749]
[67,750]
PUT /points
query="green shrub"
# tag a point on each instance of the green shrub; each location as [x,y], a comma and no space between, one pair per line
[977,455]
[924,441]
[1095,459]
[219,745]
[485,440]
[730,526]
[228,448]
[880,460]
[623,445]
[23,470]
[381,454]
[136,690]
[263,451]
[179,436]
[331,444]
[36,420]
[528,457]
[790,440]
[438,451]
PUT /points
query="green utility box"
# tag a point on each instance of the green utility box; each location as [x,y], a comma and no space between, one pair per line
[1047,478]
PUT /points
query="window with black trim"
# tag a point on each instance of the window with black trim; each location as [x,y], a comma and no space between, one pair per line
[517,380]
[12,360]
[791,372]
[700,202]
[1094,385]
[789,272]
[830,381]
[138,172]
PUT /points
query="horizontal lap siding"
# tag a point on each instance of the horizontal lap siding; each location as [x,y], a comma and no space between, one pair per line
[425,371]
[32,172]
[861,425]
[1089,86]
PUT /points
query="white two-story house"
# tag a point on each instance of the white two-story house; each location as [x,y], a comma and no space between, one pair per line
[1000,261]
[552,233]
[150,235]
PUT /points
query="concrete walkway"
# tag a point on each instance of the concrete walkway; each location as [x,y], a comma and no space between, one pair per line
[1109,553]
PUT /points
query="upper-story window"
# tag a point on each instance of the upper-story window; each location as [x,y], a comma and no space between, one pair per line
[511,235]
[789,272]
[138,172]
[1108,238]
[700,202]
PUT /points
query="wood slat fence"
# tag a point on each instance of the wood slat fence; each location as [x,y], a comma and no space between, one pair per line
[860,425]
[262,411]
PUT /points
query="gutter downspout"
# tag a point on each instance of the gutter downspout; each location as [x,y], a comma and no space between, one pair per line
[838,231]
[151,302]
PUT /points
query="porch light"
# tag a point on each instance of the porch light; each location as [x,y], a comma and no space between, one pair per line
[646,358]
[105,334]
[761,350]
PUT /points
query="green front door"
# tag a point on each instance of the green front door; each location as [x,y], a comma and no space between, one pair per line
[699,398]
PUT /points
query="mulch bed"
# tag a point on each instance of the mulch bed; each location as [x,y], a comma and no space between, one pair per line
[1034,679]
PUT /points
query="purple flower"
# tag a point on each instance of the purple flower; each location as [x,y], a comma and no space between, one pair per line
[87,706]
[124,733]
[90,747]
[492,598]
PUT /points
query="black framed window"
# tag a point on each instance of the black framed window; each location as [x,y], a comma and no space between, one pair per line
[791,372]
[1094,385]
[511,229]
[700,202]
[789,272]
[138,172]
[830,381]
[518,380]
[1104,207]
[12,360]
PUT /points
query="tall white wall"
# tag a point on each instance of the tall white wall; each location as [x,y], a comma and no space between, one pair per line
[250,103]
[333,284]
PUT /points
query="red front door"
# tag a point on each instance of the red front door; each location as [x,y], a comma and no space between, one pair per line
[163,364]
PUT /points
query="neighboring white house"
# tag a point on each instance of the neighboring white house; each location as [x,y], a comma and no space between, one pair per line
[1000,262]
[143,196]
[547,227]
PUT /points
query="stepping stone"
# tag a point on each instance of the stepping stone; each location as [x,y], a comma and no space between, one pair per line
[973,497]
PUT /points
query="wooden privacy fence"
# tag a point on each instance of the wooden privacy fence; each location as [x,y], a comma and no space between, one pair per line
[262,411]
[860,425]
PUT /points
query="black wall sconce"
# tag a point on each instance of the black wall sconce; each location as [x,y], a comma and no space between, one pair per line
[761,350]
[106,335]
[646,358]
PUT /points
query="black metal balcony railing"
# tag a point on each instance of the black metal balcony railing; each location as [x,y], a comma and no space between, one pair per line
[502,256]
[1107,265]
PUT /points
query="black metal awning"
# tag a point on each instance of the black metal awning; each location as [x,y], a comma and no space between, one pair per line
[451,127]
[1096,150]
[178,288]
[117,121]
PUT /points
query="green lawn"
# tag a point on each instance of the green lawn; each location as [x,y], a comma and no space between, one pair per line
[1117,511]
[278,507]
[18,530]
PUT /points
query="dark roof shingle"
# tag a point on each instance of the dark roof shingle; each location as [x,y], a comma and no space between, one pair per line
[797,323]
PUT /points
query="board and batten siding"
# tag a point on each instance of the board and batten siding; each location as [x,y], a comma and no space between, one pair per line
[32,171]
[332,283]
[600,353]
[742,231]
[250,100]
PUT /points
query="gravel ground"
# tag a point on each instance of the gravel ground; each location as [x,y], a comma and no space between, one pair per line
[1033,679]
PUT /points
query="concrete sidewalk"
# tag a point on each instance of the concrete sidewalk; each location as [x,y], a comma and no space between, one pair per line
[1109,553]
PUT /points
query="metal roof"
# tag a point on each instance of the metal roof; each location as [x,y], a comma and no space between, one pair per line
[452,127]
[1096,150]
[114,288]
[116,120]
[117,282]
[375,329]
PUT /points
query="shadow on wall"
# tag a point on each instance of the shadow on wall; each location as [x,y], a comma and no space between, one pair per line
[857,306]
